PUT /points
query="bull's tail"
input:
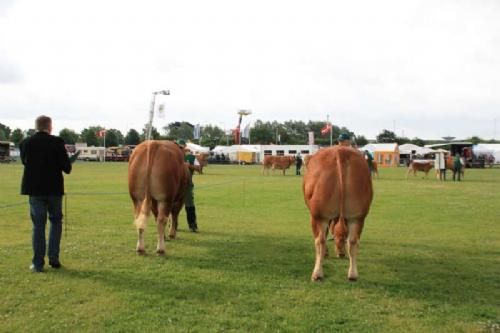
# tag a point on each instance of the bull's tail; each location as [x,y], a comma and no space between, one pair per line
[142,218]
[341,189]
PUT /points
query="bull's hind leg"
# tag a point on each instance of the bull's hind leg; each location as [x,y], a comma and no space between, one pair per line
[175,220]
[339,232]
[140,222]
[161,221]
[319,229]
[355,229]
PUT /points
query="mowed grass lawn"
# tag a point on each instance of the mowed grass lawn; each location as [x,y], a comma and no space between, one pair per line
[429,259]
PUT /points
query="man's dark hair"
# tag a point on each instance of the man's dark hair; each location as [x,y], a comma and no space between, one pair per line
[43,123]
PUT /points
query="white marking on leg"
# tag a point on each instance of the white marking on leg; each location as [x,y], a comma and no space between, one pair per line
[353,251]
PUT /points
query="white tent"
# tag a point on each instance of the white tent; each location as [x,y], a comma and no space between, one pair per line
[197,148]
[488,148]
[407,149]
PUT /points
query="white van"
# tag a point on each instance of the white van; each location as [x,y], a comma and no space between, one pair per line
[91,153]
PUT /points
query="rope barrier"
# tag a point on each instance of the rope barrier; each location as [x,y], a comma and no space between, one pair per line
[105,193]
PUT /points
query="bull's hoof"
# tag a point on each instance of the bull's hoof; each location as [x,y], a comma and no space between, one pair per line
[140,252]
[352,278]
[160,253]
[341,255]
[317,277]
[171,236]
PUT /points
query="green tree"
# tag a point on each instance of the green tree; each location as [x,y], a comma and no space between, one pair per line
[401,140]
[17,136]
[113,138]
[361,140]
[386,136]
[132,137]
[155,135]
[475,140]
[89,136]
[296,132]
[69,136]
[212,136]
[418,142]
[179,130]
[4,132]
[262,133]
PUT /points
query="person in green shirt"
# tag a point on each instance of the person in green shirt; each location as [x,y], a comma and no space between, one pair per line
[457,166]
[189,206]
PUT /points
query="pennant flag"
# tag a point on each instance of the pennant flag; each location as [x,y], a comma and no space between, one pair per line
[196,131]
[311,137]
[161,111]
[325,130]
[246,131]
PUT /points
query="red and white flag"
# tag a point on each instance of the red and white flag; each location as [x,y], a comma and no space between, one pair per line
[101,133]
[325,130]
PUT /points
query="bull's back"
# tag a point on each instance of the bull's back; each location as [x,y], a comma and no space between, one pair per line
[321,186]
[157,167]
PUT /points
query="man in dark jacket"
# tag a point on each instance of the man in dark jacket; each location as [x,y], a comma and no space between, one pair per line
[45,158]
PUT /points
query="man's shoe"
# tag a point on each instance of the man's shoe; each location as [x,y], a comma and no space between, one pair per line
[35,269]
[55,263]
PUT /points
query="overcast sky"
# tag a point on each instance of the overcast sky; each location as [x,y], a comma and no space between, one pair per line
[422,68]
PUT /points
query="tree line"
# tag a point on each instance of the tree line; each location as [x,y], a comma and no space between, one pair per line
[289,132]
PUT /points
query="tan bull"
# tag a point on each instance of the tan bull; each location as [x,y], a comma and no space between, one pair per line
[277,162]
[157,180]
[338,188]
[424,166]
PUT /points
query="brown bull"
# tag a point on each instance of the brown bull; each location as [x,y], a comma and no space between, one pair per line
[203,160]
[277,162]
[375,169]
[157,181]
[449,166]
[338,188]
[424,166]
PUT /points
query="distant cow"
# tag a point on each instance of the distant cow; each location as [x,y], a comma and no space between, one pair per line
[374,169]
[203,162]
[337,187]
[306,159]
[277,162]
[157,181]
[424,166]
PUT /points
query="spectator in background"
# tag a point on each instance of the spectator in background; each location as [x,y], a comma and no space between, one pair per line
[298,164]
[457,166]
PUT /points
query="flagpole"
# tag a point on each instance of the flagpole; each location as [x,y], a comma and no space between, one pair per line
[331,129]
[104,145]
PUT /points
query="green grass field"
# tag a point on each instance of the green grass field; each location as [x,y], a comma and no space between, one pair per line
[429,259]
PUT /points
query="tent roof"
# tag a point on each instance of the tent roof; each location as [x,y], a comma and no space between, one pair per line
[448,144]
[197,148]
[371,147]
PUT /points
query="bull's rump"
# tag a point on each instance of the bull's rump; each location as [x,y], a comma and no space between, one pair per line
[163,176]
[321,186]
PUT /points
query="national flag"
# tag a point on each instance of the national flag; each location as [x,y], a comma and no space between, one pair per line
[101,133]
[196,131]
[246,131]
[325,130]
